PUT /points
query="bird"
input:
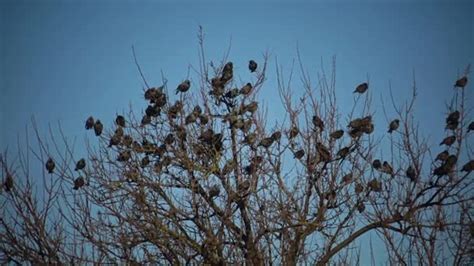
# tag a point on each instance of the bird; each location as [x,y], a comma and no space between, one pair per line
[250,139]
[197,110]
[299,154]
[243,187]
[454,116]
[144,162]
[375,185]
[318,122]
[452,125]
[191,118]
[461,83]
[448,141]
[337,134]
[183,87]
[266,142]
[232,93]
[360,207]
[359,188]
[98,127]
[294,131]
[387,168]
[169,139]
[442,156]
[376,164]
[124,156]
[361,88]
[203,119]
[214,191]
[393,125]
[146,120]
[276,136]
[251,107]
[227,72]
[411,173]
[252,66]
[80,164]
[468,167]
[78,183]
[346,179]
[120,120]
[50,165]
[90,122]
[440,171]
[342,153]
[451,162]
[470,127]
[323,152]
[9,182]
[246,89]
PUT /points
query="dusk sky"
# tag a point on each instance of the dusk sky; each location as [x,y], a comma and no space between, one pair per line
[65,60]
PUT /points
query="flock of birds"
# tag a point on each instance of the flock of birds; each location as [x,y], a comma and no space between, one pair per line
[213,141]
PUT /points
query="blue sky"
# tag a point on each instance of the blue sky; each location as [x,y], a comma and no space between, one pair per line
[66,60]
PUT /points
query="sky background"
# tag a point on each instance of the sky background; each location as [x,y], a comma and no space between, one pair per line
[66,60]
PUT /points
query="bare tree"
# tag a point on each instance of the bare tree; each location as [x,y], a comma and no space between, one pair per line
[199,177]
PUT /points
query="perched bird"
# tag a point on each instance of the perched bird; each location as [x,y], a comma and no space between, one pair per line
[452,125]
[442,156]
[359,188]
[153,110]
[294,131]
[50,165]
[441,170]
[361,88]
[266,142]
[227,72]
[343,152]
[470,127]
[197,110]
[206,136]
[461,83]
[214,191]
[337,134]
[98,127]
[346,179]
[127,140]
[203,119]
[299,154]
[376,164]
[448,141]
[318,122]
[243,187]
[360,207]
[78,183]
[355,133]
[8,183]
[454,116]
[169,139]
[393,125]
[387,168]
[411,173]
[183,87]
[232,93]
[191,118]
[323,152]
[468,167]
[124,156]
[276,136]
[251,107]
[252,66]
[250,139]
[146,120]
[80,164]
[144,162]
[245,90]
[450,162]
[120,121]
[375,185]
[89,122]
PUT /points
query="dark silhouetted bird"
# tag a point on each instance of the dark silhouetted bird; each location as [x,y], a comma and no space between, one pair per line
[276,136]
[360,207]
[361,88]
[346,179]
[152,110]
[266,142]
[203,119]
[355,133]
[90,122]
[124,156]
[452,125]
[441,170]
[9,182]
[470,127]
[191,118]
[251,107]
[127,140]
[197,110]
[323,152]
[343,152]
[337,134]
[318,122]
[146,120]
[451,162]
[461,83]
[294,131]
[227,72]
[232,93]
[243,187]
[252,66]
[393,125]
[442,156]
[468,167]
[246,89]
[411,173]
[120,120]
[375,185]
[183,87]
[206,136]
[359,188]
[80,164]
[454,116]
[98,127]
[50,165]
[299,154]
[214,191]
[145,162]
[78,183]
[448,141]
[387,168]
[250,139]
[169,139]
[376,164]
